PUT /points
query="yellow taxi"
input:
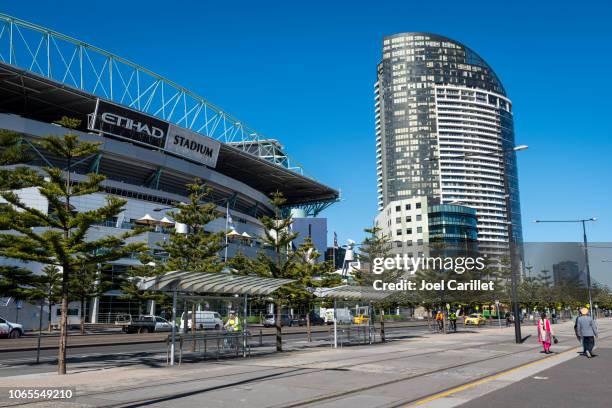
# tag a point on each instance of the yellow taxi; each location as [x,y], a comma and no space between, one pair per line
[475,319]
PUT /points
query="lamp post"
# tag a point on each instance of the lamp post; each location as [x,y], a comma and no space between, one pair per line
[511,244]
[586,252]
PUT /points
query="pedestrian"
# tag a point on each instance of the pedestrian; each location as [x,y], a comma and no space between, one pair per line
[545,333]
[508,319]
[586,330]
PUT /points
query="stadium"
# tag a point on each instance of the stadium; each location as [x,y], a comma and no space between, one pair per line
[155,136]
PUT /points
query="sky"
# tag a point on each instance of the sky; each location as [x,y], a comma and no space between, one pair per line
[303,72]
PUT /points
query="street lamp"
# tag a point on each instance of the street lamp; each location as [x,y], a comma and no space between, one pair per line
[513,266]
[586,252]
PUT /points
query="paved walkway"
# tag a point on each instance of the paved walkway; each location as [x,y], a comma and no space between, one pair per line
[579,382]
[399,373]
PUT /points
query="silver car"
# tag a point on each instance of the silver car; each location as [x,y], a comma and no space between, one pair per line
[9,329]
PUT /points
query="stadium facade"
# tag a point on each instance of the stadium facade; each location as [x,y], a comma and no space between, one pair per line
[444,131]
[155,137]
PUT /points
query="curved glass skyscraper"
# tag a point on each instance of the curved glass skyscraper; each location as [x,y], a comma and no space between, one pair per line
[444,130]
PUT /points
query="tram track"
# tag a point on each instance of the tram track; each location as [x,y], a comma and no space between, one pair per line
[297,370]
[292,371]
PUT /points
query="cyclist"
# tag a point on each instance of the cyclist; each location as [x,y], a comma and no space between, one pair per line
[440,320]
[232,326]
[452,317]
[233,323]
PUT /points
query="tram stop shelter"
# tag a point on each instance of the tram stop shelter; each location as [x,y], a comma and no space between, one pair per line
[222,283]
[349,292]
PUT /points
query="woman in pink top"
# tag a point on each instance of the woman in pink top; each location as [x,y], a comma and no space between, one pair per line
[545,333]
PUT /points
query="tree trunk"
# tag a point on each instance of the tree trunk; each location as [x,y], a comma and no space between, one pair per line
[63,337]
[382,326]
[278,324]
[193,326]
[49,316]
[82,315]
[308,326]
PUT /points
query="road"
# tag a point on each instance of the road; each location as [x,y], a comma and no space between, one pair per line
[101,353]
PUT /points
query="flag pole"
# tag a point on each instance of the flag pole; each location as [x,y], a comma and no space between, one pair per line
[226,225]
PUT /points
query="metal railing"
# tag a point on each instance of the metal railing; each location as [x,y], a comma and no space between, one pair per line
[218,343]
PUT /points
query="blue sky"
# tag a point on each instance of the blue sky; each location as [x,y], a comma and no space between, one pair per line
[303,73]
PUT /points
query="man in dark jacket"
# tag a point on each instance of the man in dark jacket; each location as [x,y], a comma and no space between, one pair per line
[586,329]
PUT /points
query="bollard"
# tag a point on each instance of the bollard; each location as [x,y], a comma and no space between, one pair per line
[260,338]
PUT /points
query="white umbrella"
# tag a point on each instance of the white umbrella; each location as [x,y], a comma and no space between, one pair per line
[233,233]
[147,220]
[166,222]
[246,236]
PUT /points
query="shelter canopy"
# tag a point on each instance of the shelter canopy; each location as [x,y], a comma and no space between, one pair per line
[347,292]
[206,282]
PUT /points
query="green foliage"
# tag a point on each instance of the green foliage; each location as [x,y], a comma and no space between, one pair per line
[59,237]
[16,282]
[198,250]
[135,274]
[375,245]
[240,264]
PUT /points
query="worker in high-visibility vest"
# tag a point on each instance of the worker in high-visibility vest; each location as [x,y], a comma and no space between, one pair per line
[452,318]
[233,323]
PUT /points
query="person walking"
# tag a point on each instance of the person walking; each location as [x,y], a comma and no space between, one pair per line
[545,333]
[586,330]
[508,319]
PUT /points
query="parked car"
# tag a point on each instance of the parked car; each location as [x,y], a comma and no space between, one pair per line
[315,319]
[286,320]
[148,324]
[204,320]
[123,320]
[9,329]
[475,319]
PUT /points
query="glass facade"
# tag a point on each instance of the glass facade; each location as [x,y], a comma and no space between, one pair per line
[452,223]
[415,149]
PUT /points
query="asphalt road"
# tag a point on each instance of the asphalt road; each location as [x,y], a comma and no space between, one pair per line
[99,356]
[115,336]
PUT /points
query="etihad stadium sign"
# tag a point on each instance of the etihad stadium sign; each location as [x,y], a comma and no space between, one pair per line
[118,121]
[192,145]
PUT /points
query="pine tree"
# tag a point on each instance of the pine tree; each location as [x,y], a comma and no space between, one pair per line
[59,236]
[279,237]
[49,283]
[376,245]
[14,151]
[310,275]
[85,285]
[198,250]
[16,282]
[130,286]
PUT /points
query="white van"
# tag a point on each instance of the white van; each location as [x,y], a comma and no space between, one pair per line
[343,316]
[204,320]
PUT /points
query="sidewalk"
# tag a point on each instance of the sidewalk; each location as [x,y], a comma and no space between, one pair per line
[398,373]
[579,382]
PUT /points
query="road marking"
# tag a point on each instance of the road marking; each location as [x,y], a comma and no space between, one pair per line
[486,379]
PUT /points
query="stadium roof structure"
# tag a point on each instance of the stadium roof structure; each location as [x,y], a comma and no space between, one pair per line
[45,75]
[218,283]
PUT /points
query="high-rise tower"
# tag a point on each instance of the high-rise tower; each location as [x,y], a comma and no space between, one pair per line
[444,130]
